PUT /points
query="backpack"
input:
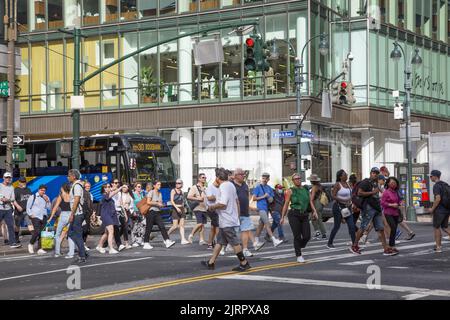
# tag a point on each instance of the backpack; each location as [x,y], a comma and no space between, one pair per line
[357,200]
[87,207]
[445,196]
[194,203]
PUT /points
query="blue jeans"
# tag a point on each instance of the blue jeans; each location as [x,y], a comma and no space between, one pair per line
[276,218]
[76,234]
[337,224]
[63,221]
[9,220]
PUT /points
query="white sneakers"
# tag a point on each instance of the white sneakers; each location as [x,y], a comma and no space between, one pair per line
[86,248]
[229,248]
[147,246]
[169,243]
[100,249]
[68,257]
[300,259]
[222,251]
[202,242]
[191,238]
[41,251]
[276,242]
[185,242]
[258,245]
[121,247]
[30,249]
[247,253]
[113,251]
[135,245]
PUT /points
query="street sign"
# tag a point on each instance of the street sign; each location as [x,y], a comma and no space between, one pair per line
[296,117]
[19,155]
[307,134]
[414,132]
[4,89]
[284,134]
[17,140]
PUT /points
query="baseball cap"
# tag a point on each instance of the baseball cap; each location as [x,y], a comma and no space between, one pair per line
[265,174]
[7,175]
[435,173]
[381,177]
[22,179]
[375,169]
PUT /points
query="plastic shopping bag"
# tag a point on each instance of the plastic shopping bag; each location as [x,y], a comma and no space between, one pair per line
[47,239]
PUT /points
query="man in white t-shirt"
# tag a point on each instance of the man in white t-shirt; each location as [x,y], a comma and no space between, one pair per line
[227,208]
[212,194]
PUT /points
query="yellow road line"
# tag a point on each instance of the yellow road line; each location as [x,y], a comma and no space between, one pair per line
[185,281]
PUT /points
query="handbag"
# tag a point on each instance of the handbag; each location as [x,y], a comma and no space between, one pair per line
[47,238]
[142,206]
[194,203]
[346,212]
[324,199]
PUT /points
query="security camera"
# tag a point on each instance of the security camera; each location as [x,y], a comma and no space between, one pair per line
[350,56]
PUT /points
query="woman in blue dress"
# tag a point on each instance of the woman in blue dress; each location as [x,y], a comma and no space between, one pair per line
[109,218]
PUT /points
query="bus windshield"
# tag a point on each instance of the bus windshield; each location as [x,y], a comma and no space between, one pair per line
[151,166]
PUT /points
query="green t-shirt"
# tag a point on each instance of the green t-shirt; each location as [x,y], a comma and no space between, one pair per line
[300,198]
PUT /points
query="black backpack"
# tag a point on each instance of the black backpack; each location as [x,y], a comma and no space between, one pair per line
[357,200]
[87,207]
[445,196]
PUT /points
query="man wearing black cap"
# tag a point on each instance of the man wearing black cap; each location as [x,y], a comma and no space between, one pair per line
[369,190]
[440,209]
[21,193]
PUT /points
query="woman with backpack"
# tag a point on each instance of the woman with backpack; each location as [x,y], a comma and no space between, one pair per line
[319,199]
[154,199]
[137,220]
[342,209]
[178,211]
[62,202]
[109,218]
[391,202]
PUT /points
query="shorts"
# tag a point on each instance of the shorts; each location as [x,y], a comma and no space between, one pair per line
[246,223]
[201,217]
[264,217]
[368,215]
[440,220]
[214,216]
[178,216]
[228,236]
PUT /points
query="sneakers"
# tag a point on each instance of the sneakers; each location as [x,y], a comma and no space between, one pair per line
[121,247]
[241,267]
[222,251]
[398,233]
[300,259]
[276,242]
[210,247]
[258,245]
[389,252]
[41,251]
[57,255]
[229,249]
[190,238]
[128,246]
[184,242]
[100,249]
[317,235]
[247,253]
[86,248]
[147,246]
[135,245]
[330,246]
[113,251]
[202,242]
[355,250]
[169,243]
[15,245]
[81,260]
[438,249]
[208,265]
[410,236]
[68,256]
[30,249]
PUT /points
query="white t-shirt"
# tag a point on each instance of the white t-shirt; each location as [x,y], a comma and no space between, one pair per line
[212,190]
[77,190]
[228,217]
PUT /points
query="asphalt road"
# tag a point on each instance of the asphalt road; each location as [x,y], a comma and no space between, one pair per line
[176,273]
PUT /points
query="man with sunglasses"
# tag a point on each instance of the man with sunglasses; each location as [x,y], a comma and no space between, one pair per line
[197,193]
[7,200]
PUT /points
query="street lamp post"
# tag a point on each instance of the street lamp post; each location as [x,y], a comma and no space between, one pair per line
[396,55]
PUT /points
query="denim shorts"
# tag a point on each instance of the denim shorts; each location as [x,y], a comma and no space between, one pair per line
[201,217]
[368,215]
[264,215]
[246,223]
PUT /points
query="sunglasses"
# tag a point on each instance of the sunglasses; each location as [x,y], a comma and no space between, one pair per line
[202,177]
[115,182]
[297,179]
[179,183]
[138,186]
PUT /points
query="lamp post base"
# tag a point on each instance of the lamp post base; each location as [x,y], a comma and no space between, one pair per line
[411,214]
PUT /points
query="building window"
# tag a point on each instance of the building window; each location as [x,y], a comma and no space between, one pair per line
[108,52]
[55,14]
[91,12]
[128,10]
[167,7]
[147,8]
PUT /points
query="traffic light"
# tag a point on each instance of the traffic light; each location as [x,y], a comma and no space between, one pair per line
[350,94]
[250,63]
[335,93]
[260,56]
[343,92]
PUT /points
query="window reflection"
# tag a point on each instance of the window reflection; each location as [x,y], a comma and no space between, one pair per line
[167,7]
[128,10]
[147,8]
[91,12]
[55,14]
[231,67]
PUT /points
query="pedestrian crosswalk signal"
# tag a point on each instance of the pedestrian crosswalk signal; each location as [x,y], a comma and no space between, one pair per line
[250,63]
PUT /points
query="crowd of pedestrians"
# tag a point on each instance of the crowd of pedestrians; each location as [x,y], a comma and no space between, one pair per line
[128,214]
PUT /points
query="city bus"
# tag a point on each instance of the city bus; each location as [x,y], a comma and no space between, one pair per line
[130,158]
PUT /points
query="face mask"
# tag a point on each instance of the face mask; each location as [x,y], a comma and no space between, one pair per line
[280,191]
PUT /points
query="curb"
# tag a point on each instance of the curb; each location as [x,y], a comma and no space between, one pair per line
[13,252]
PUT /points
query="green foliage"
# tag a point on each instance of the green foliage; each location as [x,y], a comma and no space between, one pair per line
[148,85]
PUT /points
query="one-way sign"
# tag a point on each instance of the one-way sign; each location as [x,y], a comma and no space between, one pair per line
[17,140]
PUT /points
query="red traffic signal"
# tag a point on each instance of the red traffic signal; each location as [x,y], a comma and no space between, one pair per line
[343,85]
[250,42]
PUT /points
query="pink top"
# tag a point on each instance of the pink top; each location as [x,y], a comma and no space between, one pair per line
[389,197]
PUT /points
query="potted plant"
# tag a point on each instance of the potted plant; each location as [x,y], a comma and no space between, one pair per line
[148,86]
